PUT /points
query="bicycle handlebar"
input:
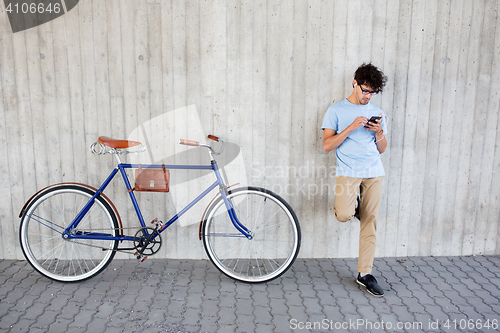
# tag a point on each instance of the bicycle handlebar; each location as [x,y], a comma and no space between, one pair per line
[197,144]
[213,137]
[189,142]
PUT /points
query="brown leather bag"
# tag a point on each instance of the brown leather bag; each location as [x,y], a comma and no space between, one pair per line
[152,180]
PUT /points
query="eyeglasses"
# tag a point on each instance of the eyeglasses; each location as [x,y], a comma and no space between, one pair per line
[366,92]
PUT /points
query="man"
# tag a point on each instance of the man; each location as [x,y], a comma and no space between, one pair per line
[359,143]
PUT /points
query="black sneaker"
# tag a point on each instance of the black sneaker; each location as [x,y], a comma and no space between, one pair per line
[370,283]
[356,212]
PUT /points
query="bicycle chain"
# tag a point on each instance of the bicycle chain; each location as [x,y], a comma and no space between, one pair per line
[101,247]
[108,229]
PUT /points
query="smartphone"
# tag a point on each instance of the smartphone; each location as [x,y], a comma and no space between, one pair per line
[372,119]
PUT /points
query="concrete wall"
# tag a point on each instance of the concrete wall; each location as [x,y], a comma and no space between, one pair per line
[261,74]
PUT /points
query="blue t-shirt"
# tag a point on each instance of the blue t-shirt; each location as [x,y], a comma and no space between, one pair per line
[358,155]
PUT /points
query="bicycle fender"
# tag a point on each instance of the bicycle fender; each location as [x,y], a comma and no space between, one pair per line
[108,201]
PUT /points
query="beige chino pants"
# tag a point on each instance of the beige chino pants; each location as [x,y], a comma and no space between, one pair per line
[346,192]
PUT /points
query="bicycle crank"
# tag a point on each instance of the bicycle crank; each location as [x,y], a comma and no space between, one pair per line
[147,241]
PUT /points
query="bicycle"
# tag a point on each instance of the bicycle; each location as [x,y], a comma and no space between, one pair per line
[70,232]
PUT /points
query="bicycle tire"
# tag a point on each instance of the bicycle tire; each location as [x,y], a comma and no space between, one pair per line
[276,235]
[67,260]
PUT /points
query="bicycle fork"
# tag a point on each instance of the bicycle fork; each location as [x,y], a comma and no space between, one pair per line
[229,205]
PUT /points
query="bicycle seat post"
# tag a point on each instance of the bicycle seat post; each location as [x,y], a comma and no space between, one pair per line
[117,156]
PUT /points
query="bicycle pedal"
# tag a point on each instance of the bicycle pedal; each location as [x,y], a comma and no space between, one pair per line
[140,256]
[158,222]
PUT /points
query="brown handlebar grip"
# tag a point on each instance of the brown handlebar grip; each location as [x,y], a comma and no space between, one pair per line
[189,142]
[213,137]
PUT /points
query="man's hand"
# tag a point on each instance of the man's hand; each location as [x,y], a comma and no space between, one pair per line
[375,126]
[357,123]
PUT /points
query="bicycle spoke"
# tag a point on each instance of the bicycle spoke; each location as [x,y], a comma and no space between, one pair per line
[59,249]
[52,252]
[78,261]
[263,227]
[49,240]
[87,219]
[82,255]
[260,211]
[264,251]
[242,250]
[49,222]
[224,254]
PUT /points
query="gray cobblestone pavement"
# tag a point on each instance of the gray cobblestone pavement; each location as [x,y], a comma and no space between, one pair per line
[423,294]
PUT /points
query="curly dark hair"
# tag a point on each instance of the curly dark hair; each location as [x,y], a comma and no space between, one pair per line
[370,76]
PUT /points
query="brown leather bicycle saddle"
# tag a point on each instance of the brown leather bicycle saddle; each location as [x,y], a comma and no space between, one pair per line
[117,144]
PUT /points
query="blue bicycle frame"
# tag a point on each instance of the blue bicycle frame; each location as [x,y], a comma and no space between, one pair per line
[69,232]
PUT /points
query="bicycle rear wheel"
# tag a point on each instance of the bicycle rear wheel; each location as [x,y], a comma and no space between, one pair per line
[275,229]
[60,259]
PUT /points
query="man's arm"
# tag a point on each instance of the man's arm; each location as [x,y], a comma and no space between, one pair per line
[332,140]
[380,141]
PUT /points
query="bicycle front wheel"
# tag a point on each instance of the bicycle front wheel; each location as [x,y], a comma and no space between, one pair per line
[41,234]
[275,240]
